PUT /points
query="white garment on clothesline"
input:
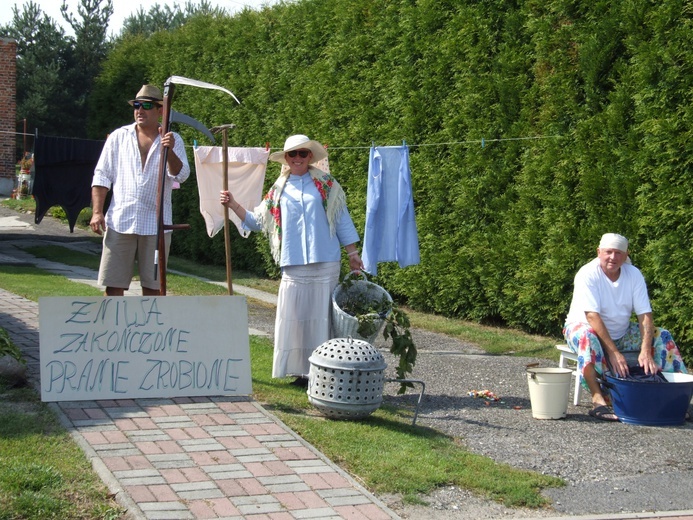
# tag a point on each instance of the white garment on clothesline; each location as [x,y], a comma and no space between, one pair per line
[246,174]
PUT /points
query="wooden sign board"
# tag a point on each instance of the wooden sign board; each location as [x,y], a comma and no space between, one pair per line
[143,347]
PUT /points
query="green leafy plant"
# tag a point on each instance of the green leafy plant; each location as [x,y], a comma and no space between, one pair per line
[397,329]
[7,348]
[371,313]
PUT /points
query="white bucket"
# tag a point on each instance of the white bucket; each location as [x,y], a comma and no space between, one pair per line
[548,391]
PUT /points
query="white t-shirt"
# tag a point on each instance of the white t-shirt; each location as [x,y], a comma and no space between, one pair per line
[614,301]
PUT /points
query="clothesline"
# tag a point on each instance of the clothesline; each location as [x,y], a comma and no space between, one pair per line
[483,142]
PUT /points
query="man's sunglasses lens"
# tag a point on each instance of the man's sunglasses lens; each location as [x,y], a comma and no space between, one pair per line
[302,153]
[147,105]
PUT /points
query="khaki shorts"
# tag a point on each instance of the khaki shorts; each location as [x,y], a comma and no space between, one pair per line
[118,259]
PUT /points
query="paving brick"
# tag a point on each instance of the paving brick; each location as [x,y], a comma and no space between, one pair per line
[148,448]
[326,513]
[94,438]
[254,505]
[195,474]
[231,487]
[316,482]
[116,463]
[252,486]
[198,493]
[140,493]
[147,436]
[336,480]
[251,442]
[311,499]
[95,413]
[277,467]
[177,434]
[201,445]
[173,476]
[203,420]
[169,447]
[201,509]
[350,499]
[93,423]
[210,458]
[220,418]
[223,507]
[144,423]
[230,474]
[303,467]
[166,511]
[125,425]
[258,469]
[138,462]
[197,433]
[163,493]
[115,436]
[276,438]
[230,430]
[126,412]
[171,460]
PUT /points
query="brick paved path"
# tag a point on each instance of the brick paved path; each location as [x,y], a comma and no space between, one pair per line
[189,458]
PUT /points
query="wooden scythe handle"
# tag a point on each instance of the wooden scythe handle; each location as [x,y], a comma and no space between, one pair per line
[160,258]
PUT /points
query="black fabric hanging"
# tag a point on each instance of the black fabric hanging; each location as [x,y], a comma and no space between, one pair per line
[63,171]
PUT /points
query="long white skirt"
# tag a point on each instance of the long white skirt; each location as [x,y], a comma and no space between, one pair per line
[303,316]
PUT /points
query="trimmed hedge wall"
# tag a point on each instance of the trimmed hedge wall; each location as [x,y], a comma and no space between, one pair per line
[584,108]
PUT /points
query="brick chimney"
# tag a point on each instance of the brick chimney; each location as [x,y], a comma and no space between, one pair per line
[8,114]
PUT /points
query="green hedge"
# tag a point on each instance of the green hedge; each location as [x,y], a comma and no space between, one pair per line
[583,106]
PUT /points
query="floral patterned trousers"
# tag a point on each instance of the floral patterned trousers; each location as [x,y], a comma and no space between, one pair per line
[583,341]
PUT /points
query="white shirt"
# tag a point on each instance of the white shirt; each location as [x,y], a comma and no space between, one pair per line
[614,301]
[133,207]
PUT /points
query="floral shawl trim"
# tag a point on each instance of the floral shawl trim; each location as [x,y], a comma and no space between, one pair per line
[333,200]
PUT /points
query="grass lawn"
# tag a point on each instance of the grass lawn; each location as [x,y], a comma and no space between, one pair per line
[43,473]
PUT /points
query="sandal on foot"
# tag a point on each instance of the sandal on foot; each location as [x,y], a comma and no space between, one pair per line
[603,413]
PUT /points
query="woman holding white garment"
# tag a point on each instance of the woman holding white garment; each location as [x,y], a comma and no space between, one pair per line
[306,219]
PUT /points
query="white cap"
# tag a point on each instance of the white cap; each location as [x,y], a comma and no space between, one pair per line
[614,241]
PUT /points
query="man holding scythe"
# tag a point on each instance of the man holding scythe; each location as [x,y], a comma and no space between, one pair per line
[129,165]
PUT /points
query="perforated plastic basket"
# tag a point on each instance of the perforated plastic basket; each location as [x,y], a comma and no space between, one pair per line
[343,323]
[346,378]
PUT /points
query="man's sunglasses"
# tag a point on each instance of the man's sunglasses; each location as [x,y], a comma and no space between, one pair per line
[147,105]
[302,153]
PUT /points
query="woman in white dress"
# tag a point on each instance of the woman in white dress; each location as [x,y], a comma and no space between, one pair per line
[306,219]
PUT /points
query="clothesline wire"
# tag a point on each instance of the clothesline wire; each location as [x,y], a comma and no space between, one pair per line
[483,141]
[450,143]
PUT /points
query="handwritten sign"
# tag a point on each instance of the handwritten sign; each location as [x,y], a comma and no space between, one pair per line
[143,346]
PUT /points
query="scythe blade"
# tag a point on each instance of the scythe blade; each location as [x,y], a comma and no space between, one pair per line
[177,117]
[180,80]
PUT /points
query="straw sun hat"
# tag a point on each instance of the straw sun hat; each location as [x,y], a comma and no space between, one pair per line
[148,93]
[300,142]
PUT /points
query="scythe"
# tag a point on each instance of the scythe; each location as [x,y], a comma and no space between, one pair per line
[160,254]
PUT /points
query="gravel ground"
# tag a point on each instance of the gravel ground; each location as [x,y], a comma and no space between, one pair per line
[608,467]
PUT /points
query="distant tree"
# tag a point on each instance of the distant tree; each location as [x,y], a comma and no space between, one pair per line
[90,49]
[165,18]
[44,58]
[55,71]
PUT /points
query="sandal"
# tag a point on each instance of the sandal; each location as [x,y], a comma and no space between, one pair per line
[603,413]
